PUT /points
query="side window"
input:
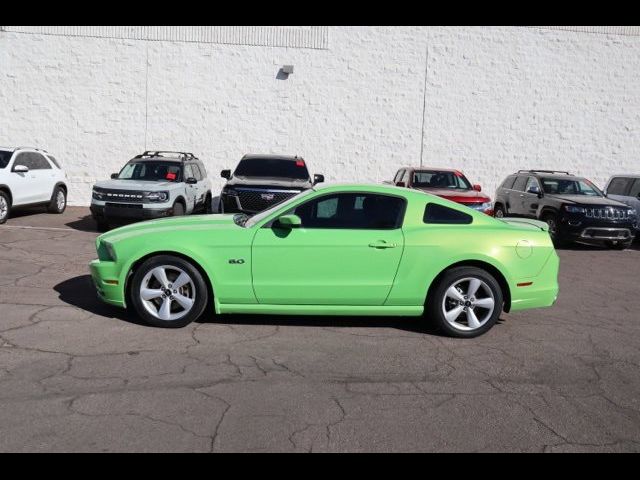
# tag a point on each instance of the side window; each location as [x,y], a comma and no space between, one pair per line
[40,162]
[439,214]
[398,176]
[520,183]
[405,178]
[54,161]
[198,172]
[531,182]
[352,211]
[508,183]
[23,159]
[203,171]
[635,188]
[619,186]
[188,171]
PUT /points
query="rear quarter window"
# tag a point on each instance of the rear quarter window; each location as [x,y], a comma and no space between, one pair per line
[619,186]
[439,214]
[508,182]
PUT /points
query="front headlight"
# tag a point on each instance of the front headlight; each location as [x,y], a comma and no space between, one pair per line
[572,209]
[632,212]
[156,196]
[482,207]
[106,252]
[97,194]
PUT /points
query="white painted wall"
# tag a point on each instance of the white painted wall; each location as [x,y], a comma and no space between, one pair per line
[497,99]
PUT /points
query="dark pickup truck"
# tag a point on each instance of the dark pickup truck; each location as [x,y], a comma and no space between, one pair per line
[262,181]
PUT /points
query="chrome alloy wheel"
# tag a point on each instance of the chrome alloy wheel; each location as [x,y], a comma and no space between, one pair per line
[4,208]
[60,200]
[468,304]
[167,292]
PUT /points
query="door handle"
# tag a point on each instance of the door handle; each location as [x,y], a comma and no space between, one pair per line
[382,244]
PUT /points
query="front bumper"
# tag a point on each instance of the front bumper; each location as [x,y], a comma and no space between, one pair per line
[128,212]
[105,277]
[597,230]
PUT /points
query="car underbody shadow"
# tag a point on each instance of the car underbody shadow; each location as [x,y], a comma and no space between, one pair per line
[84,224]
[80,292]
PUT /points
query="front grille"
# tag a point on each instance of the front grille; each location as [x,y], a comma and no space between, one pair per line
[123,205]
[607,213]
[124,196]
[254,200]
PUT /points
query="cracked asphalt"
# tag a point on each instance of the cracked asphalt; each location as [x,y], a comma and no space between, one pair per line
[77,375]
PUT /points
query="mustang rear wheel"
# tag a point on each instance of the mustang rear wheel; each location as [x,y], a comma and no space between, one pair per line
[168,291]
[466,302]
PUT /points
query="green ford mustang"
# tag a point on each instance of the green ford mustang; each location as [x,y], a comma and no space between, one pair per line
[336,250]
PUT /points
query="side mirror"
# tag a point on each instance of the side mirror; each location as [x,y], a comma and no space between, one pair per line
[534,190]
[477,188]
[21,169]
[225,174]
[318,179]
[400,184]
[114,176]
[289,221]
[191,181]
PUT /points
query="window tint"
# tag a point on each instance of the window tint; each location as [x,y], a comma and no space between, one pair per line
[440,179]
[519,184]
[272,167]
[405,178]
[203,171]
[352,210]
[5,158]
[188,172]
[635,189]
[434,213]
[531,182]
[25,159]
[619,186]
[508,182]
[151,171]
[54,160]
[570,186]
[399,173]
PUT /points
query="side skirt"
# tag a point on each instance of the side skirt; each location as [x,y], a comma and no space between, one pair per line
[356,310]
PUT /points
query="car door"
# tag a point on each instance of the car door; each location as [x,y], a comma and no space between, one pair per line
[345,252]
[45,177]
[530,201]
[191,189]
[516,196]
[201,185]
[23,184]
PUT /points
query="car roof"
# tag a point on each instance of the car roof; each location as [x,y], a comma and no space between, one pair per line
[269,156]
[432,168]
[156,158]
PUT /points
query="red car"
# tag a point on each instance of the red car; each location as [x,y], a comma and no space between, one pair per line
[446,183]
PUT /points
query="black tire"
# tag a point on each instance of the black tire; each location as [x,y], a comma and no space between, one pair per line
[58,203]
[208,206]
[197,287]
[178,209]
[498,211]
[438,301]
[556,237]
[619,244]
[5,207]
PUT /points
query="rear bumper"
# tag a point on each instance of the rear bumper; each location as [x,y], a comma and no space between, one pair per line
[540,291]
[105,277]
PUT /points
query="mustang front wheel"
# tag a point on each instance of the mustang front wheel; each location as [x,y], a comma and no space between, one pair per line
[168,291]
[466,302]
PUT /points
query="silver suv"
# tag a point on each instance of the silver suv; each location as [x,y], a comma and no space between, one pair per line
[154,184]
[625,189]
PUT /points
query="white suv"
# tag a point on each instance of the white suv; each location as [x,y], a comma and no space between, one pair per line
[30,176]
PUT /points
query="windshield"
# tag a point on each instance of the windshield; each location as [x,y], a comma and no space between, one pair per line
[5,156]
[249,221]
[272,167]
[570,186]
[440,179]
[152,171]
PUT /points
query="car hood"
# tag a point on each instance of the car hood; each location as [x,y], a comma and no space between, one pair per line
[585,200]
[269,182]
[135,184]
[460,196]
[158,227]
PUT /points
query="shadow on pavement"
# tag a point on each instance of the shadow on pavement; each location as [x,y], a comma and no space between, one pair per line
[84,224]
[80,292]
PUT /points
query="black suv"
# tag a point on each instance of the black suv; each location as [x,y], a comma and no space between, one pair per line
[261,181]
[573,207]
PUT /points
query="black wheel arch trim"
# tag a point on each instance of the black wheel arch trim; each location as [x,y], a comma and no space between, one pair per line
[7,190]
